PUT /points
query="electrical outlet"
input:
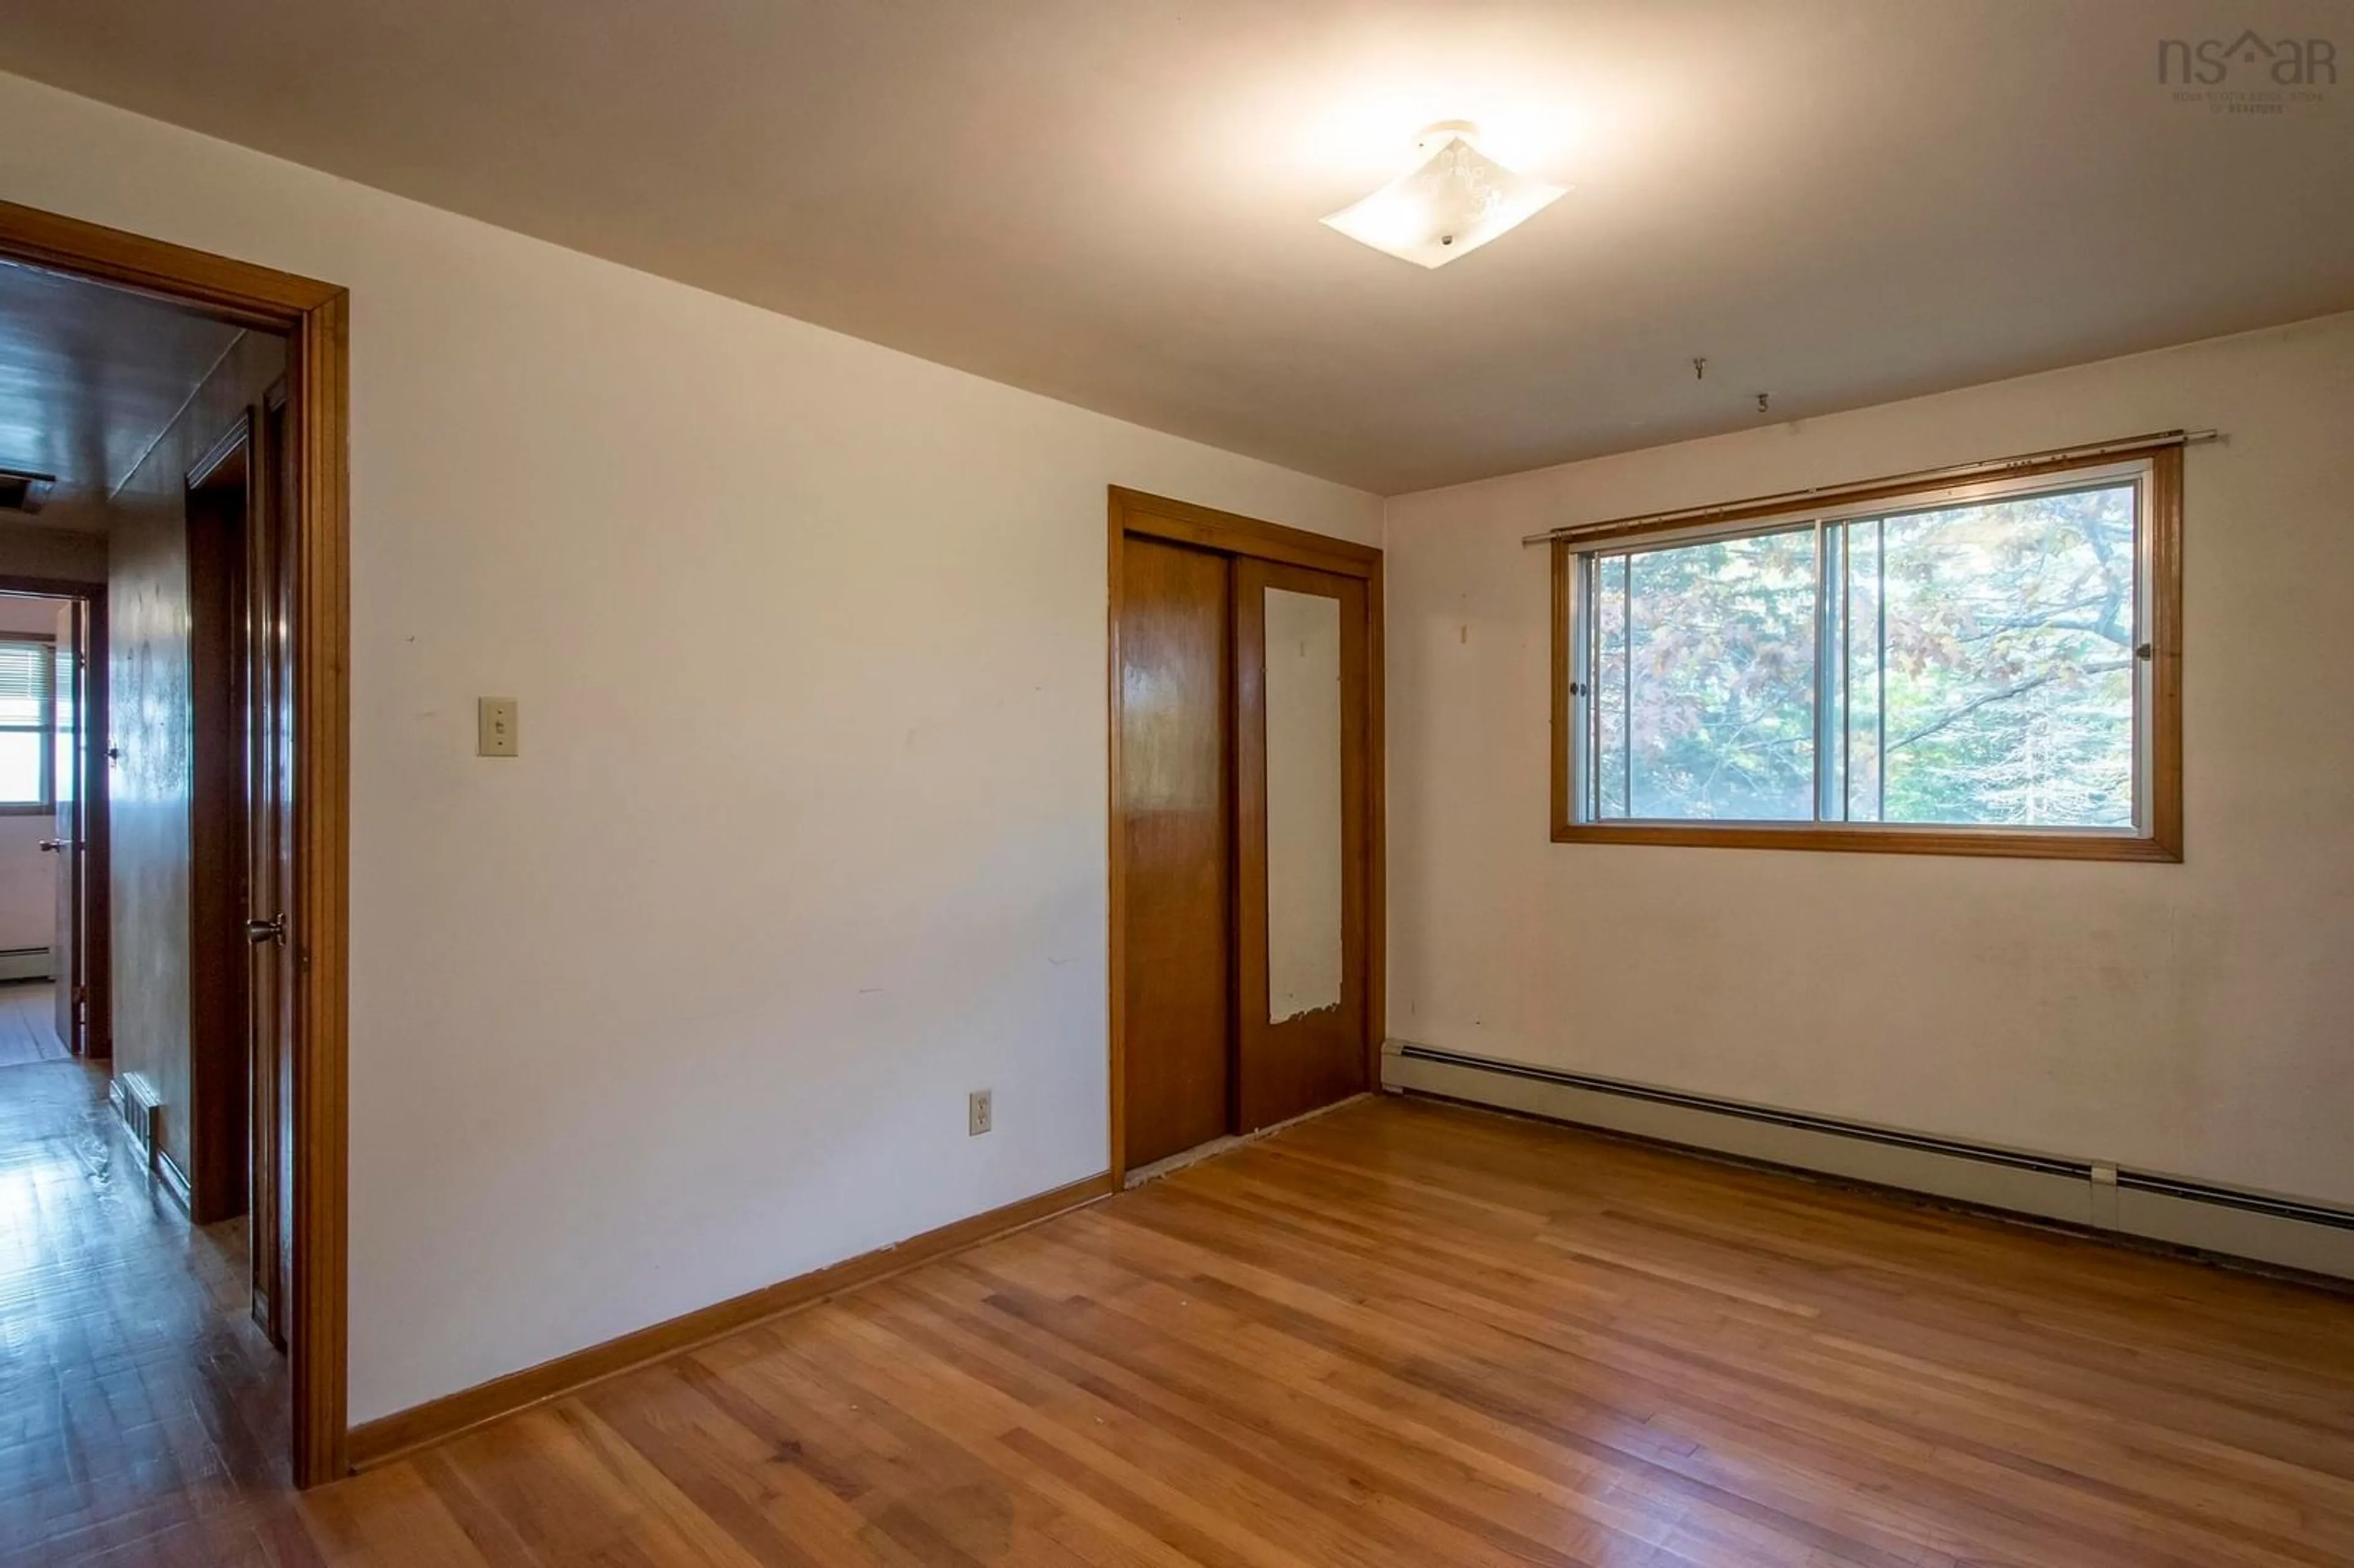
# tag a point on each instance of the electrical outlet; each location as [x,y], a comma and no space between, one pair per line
[976,1113]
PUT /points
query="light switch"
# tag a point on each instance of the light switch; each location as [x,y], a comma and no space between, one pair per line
[494,726]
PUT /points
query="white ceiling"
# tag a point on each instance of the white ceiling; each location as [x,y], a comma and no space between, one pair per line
[1114,201]
[90,377]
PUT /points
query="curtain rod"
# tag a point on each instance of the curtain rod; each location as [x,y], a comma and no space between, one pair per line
[1990,468]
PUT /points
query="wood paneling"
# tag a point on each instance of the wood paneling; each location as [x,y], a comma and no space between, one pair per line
[90,379]
[1177,814]
[174,565]
[1287,1069]
[1406,1334]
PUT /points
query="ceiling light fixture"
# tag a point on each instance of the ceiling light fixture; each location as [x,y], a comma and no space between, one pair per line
[1454,200]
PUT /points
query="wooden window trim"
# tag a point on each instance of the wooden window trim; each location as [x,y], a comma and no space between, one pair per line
[2162,521]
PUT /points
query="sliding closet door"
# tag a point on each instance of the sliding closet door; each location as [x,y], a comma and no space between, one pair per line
[1301,788]
[1177,825]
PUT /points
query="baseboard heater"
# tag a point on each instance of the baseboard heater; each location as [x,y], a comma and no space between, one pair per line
[2291,1231]
[25,964]
[135,1101]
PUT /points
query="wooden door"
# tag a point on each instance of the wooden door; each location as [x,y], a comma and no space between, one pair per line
[67,840]
[1176,810]
[1301,771]
[222,491]
[270,882]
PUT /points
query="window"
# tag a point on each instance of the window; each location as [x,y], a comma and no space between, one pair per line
[27,769]
[1976,668]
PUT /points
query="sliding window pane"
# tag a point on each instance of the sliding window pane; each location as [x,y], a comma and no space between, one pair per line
[1719,682]
[1606,662]
[1865,632]
[2008,660]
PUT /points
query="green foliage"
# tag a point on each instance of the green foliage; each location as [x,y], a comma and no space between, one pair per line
[1980,660]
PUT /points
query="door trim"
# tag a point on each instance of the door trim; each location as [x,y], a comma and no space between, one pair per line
[1181,522]
[95,1039]
[314,318]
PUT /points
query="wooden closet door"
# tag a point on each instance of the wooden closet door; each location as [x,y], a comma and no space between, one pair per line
[1301,733]
[1176,806]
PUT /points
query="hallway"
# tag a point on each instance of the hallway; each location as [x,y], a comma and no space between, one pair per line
[28,1032]
[136,1396]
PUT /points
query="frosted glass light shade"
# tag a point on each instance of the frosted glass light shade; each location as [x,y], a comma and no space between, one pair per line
[1451,204]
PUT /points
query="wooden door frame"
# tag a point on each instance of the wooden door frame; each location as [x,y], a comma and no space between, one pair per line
[314,319]
[98,1014]
[1133,512]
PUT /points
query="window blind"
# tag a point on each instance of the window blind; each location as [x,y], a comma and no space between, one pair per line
[23,684]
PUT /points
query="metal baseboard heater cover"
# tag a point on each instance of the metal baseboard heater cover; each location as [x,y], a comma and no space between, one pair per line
[2290,1232]
[135,1101]
[25,964]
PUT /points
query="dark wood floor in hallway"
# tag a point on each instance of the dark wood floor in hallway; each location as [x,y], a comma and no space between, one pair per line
[1412,1334]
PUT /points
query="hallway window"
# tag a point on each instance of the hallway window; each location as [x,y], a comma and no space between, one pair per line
[27,714]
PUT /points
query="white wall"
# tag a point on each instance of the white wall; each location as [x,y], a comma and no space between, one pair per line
[28,886]
[28,878]
[807,835]
[28,908]
[2191,1019]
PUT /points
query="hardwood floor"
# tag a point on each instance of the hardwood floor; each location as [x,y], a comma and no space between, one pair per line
[139,1406]
[28,1031]
[1411,1334]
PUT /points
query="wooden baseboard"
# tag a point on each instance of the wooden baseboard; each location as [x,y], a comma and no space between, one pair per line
[373,1442]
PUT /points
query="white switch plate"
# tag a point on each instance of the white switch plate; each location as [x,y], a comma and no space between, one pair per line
[976,1113]
[494,726]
